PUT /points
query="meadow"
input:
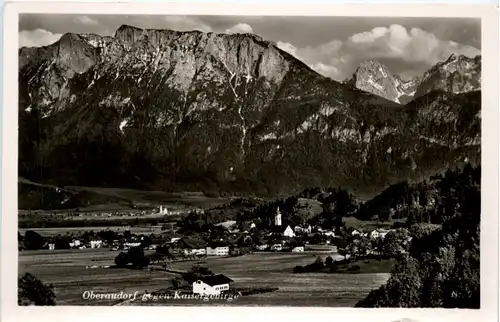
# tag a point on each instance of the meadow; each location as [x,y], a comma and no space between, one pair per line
[66,270]
[54,231]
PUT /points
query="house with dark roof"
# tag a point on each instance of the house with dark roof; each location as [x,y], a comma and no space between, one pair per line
[192,246]
[211,285]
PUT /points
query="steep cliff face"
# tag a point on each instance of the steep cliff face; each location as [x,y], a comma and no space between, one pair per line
[191,110]
[373,77]
[458,74]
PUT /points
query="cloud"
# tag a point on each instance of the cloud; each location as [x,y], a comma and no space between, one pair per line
[185,23]
[241,28]
[86,20]
[288,47]
[401,49]
[37,38]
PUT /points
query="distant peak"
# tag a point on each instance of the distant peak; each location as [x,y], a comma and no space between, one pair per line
[123,28]
[67,37]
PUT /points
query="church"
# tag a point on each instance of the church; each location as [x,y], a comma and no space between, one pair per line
[288,231]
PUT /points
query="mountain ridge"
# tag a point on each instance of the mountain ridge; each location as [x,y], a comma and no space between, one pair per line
[221,112]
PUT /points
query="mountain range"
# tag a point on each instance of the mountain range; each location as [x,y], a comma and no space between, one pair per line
[170,110]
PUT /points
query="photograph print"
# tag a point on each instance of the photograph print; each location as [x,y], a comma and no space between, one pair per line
[249,161]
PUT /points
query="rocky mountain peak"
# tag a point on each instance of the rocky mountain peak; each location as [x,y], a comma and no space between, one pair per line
[374,77]
[457,74]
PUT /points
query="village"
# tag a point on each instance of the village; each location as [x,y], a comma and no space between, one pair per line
[279,238]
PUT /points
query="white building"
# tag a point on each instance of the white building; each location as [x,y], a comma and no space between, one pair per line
[132,244]
[378,233]
[218,251]
[163,211]
[75,243]
[277,247]
[52,246]
[277,217]
[288,232]
[329,233]
[211,285]
[262,247]
[96,243]
[298,249]
[195,251]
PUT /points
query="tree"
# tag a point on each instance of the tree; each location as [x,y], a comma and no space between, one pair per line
[121,260]
[364,246]
[176,282]
[442,267]
[343,252]
[32,291]
[195,273]
[33,240]
[62,243]
[395,243]
[137,258]
[329,261]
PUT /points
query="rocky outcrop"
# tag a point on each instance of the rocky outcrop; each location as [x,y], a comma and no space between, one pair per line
[458,74]
[374,77]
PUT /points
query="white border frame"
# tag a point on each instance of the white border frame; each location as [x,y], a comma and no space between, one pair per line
[489,159]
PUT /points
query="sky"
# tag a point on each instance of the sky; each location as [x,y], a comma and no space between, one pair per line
[333,46]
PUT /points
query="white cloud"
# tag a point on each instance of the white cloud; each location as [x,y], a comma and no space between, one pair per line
[86,20]
[288,47]
[241,28]
[415,47]
[37,38]
[185,23]
[412,46]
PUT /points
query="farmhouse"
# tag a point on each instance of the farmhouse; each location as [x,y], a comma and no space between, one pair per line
[211,285]
[192,246]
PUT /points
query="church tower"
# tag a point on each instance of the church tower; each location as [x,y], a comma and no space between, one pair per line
[277,217]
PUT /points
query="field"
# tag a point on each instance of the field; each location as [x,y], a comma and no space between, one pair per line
[369,225]
[50,232]
[67,271]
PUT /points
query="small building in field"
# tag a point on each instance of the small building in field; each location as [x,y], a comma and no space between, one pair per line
[52,246]
[298,249]
[211,285]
